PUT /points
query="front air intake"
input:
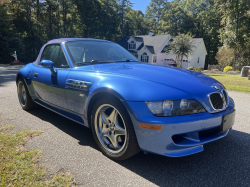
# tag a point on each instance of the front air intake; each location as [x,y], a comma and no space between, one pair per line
[217,101]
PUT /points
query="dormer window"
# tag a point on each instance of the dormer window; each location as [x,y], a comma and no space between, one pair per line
[132,45]
[144,57]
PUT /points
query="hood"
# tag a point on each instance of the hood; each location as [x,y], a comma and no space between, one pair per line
[182,79]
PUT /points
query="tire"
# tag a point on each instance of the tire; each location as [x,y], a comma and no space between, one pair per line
[24,97]
[113,129]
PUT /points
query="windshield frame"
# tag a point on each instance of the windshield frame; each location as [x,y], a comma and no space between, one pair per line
[94,63]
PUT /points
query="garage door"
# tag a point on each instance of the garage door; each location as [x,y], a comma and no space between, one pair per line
[185,65]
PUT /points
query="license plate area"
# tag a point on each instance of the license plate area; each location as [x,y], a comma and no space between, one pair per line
[228,121]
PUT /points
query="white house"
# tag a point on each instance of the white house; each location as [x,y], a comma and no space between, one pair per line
[150,49]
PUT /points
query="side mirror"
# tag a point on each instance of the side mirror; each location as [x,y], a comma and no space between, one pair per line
[48,64]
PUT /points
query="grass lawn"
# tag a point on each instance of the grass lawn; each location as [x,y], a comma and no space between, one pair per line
[233,82]
[19,167]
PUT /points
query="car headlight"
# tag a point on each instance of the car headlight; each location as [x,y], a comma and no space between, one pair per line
[175,107]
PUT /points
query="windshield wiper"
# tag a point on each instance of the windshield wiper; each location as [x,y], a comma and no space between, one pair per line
[89,63]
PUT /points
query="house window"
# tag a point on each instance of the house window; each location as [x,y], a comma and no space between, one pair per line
[132,45]
[154,59]
[198,59]
[144,57]
[136,55]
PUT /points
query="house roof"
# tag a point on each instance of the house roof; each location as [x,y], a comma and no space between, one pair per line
[138,39]
[124,42]
[132,51]
[153,43]
[150,48]
[140,47]
[196,42]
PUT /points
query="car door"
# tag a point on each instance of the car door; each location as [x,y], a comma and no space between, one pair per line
[50,86]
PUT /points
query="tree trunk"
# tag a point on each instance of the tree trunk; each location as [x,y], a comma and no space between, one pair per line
[37,10]
[64,17]
[50,25]
[235,52]
[178,61]
[107,6]
[122,20]
[237,32]
[58,19]
[181,61]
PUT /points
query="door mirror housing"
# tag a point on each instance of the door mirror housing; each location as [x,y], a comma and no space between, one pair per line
[48,64]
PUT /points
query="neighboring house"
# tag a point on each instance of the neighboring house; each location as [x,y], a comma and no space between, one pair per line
[150,49]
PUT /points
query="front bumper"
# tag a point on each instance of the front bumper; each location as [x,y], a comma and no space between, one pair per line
[180,135]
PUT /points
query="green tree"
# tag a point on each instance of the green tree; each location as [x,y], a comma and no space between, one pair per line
[225,56]
[236,24]
[155,9]
[175,20]
[181,46]
[9,40]
[154,12]
[135,23]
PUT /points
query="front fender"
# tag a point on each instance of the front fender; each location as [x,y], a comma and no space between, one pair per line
[25,73]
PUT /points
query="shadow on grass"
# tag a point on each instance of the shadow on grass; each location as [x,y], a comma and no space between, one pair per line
[222,163]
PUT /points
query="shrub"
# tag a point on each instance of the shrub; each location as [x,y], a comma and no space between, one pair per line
[228,68]
[198,69]
[191,68]
[225,56]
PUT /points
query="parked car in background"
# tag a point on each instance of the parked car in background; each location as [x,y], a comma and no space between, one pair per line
[172,64]
[129,105]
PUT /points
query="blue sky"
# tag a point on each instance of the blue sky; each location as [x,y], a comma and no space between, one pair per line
[140,4]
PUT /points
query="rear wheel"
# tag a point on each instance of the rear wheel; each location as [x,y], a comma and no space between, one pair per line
[24,97]
[113,129]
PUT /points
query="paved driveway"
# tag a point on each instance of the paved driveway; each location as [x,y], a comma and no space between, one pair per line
[68,146]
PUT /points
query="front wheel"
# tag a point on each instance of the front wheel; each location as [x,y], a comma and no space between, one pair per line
[113,129]
[24,97]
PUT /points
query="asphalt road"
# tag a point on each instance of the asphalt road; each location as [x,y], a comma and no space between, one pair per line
[68,146]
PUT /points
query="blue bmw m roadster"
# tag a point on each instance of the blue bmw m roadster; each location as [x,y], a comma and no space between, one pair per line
[129,105]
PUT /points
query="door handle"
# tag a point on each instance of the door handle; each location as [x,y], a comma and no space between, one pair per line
[35,74]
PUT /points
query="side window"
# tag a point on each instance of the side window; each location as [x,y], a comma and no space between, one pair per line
[61,60]
[55,54]
[46,53]
[54,51]
[50,53]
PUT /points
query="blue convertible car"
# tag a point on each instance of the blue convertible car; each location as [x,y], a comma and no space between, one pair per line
[129,105]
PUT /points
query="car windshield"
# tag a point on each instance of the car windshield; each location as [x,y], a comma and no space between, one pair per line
[96,52]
